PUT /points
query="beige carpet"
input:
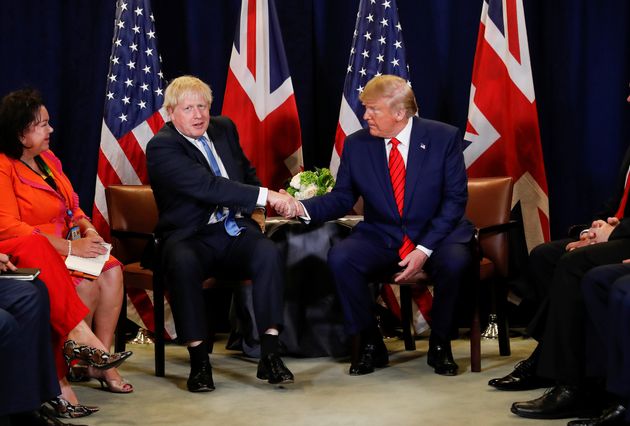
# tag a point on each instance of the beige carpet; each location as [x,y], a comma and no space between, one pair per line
[405,393]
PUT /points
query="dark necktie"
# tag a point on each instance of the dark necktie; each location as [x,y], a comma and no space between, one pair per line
[397,173]
[624,199]
[230,224]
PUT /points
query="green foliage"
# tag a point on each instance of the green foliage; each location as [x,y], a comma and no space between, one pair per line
[322,179]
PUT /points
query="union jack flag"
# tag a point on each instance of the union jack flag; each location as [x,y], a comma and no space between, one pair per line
[259,96]
[502,123]
[377,48]
[133,113]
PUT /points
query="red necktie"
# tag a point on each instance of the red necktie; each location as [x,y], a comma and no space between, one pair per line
[624,200]
[397,173]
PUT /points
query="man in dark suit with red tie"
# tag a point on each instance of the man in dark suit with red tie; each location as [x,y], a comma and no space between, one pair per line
[411,174]
[210,202]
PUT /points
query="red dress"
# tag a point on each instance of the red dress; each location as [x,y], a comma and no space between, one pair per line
[66,308]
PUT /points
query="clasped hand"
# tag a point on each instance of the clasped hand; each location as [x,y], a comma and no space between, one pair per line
[284,204]
[599,232]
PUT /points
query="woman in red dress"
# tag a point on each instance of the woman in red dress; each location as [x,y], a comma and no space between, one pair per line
[38,198]
[66,314]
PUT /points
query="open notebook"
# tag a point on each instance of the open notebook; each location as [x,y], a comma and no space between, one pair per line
[88,265]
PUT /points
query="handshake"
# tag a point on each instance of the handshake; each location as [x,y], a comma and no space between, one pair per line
[284,204]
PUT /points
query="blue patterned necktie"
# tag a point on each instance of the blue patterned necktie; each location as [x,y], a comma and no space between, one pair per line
[230,224]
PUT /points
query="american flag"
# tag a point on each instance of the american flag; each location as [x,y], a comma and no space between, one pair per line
[259,96]
[377,48]
[133,114]
[502,123]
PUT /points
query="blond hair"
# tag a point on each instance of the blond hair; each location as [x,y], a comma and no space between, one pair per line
[394,89]
[182,86]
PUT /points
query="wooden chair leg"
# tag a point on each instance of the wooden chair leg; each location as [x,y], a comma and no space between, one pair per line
[120,338]
[475,342]
[502,320]
[158,314]
[406,317]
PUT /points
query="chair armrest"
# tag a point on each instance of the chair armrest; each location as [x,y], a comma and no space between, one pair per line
[132,234]
[497,228]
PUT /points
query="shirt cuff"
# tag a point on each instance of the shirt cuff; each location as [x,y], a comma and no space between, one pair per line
[306,218]
[424,250]
[262,197]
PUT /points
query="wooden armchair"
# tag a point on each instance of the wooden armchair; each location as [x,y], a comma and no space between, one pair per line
[133,216]
[489,205]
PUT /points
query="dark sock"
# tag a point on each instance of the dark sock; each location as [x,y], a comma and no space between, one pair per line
[198,354]
[268,345]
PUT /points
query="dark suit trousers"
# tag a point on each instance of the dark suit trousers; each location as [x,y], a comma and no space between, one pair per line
[560,320]
[356,260]
[212,252]
[27,368]
[607,297]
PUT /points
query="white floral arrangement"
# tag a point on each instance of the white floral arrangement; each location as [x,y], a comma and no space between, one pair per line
[308,184]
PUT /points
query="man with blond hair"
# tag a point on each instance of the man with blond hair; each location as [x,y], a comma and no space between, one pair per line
[210,216]
[411,174]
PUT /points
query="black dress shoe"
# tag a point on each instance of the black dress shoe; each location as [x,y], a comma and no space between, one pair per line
[614,415]
[372,355]
[272,369]
[200,379]
[559,402]
[440,357]
[522,378]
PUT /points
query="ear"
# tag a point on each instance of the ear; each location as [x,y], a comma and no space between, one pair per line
[400,114]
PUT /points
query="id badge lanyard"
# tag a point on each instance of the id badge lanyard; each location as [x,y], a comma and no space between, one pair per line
[75,232]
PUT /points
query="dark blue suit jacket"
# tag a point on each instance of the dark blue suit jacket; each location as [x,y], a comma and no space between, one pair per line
[435,188]
[185,188]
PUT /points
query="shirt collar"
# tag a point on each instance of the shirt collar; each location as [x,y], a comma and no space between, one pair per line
[404,136]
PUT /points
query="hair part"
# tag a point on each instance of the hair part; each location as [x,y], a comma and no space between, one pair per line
[395,90]
[18,110]
[183,86]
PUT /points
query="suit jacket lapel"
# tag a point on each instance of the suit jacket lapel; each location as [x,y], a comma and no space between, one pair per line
[418,147]
[189,147]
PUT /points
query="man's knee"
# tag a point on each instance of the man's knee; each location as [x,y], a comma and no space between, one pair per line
[338,258]
[267,251]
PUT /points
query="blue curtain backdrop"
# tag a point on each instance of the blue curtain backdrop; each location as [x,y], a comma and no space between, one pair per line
[579,51]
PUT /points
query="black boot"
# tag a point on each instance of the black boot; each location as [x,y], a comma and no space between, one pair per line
[270,366]
[440,356]
[200,378]
[368,352]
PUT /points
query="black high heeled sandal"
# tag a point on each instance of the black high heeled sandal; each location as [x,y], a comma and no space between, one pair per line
[63,409]
[97,358]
